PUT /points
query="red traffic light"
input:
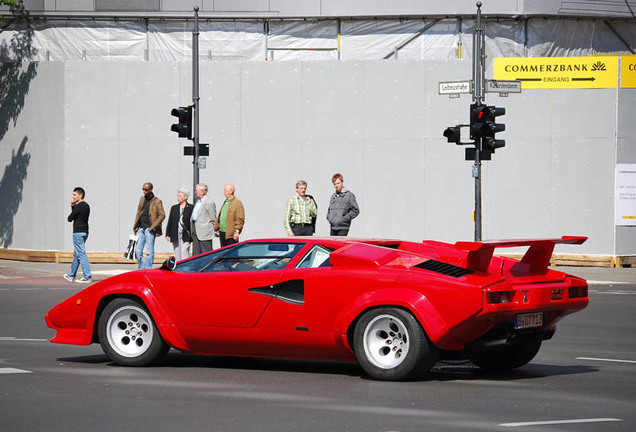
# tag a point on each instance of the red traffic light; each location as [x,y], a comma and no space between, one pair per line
[483,125]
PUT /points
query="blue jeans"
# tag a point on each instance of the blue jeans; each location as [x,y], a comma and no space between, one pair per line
[147,240]
[79,255]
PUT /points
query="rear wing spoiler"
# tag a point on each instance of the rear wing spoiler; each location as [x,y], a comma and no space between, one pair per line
[537,257]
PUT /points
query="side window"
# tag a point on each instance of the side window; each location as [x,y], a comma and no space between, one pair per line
[256,256]
[194,265]
[318,256]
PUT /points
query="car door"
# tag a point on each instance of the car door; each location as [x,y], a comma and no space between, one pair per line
[219,293]
[217,299]
[306,307]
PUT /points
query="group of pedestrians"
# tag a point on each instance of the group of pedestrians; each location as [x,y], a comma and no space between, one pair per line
[188,224]
[301,210]
[197,224]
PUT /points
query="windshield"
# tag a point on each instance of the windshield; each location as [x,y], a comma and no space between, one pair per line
[243,257]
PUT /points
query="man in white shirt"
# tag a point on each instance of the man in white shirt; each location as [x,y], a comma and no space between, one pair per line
[203,217]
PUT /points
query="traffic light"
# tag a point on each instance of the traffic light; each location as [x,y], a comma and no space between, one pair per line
[483,125]
[452,134]
[184,127]
[490,143]
[478,124]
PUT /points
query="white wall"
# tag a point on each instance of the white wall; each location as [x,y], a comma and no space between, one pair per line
[106,126]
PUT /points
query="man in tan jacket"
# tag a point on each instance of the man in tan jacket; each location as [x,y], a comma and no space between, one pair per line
[147,225]
[231,219]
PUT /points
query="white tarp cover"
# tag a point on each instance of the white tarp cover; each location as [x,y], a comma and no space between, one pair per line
[418,39]
[89,40]
[302,40]
[225,40]
[379,38]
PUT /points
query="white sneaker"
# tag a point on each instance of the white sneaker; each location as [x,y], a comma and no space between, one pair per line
[83,280]
[68,277]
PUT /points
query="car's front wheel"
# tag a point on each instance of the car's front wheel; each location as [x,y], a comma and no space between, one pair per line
[391,345]
[128,334]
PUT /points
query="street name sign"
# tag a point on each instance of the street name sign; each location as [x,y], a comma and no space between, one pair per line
[494,86]
[455,87]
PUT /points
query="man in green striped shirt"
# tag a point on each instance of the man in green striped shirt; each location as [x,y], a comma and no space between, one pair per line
[300,210]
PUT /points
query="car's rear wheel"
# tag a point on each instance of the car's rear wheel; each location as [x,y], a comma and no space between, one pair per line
[508,357]
[128,334]
[391,345]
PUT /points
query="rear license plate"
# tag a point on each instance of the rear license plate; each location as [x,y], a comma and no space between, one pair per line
[528,320]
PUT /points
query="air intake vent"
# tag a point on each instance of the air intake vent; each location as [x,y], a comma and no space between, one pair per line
[444,268]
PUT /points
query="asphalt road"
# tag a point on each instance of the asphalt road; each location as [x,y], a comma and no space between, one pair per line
[582,380]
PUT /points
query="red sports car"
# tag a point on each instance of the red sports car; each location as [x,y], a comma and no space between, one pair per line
[396,307]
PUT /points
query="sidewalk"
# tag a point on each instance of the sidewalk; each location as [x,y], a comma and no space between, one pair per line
[602,275]
[98,271]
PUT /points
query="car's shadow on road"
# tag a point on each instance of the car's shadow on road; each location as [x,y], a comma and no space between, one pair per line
[179,360]
[451,371]
[469,372]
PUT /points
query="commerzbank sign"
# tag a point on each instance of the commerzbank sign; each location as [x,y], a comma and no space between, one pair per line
[567,72]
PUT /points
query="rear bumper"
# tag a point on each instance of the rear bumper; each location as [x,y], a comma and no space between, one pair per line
[494,324]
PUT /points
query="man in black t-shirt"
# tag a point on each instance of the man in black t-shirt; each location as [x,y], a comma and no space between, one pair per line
[80,211]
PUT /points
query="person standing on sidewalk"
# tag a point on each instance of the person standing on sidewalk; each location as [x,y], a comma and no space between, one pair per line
[231,219]
[299,212]
[80,211]
[147,225]
[343,207]
[178,227]
[203,217]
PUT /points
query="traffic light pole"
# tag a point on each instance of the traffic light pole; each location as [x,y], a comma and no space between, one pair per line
[195,97]
[478,98]
[483,125]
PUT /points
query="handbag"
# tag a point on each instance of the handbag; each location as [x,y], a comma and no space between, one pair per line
[129,252]
[186,237]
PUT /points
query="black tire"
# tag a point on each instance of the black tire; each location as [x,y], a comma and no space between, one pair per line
[509,357]
[128,334]
[391,345]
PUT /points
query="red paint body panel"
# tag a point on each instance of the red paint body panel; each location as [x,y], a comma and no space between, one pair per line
[242,313]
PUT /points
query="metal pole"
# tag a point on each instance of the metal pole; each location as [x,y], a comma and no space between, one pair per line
[195,97]
[478,98]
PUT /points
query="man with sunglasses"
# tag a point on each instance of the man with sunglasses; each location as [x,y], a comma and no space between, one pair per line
[147,225]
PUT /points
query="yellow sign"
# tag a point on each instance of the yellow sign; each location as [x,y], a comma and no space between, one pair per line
[558,72]
[628,72]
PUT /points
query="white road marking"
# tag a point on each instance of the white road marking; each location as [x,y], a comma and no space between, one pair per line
[602,282]
[612,292]
[557,422]
[13,371]
[607,360]
[113,272]
[13,339]
[69,287]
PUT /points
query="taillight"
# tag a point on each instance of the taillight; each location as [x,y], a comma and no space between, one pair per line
[496,297]
[578,291]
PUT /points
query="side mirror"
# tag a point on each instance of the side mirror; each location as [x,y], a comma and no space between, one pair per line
[169,264]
